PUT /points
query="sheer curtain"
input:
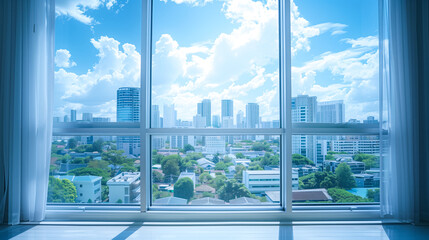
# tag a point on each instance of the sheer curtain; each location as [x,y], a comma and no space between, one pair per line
[26,68]
[403,59]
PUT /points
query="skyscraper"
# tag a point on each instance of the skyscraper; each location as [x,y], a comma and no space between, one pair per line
[206,111]
[304,109]
[252,115]
[128,104]
[128,110]
[73,115]
[155,121]
[170,116]
[87,117]
[240,119]
[66,118]
[216,121]
[330,112]
[227,108]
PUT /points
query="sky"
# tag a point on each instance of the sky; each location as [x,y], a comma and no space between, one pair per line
[216,49]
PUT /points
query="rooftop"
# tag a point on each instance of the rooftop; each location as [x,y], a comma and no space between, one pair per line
[207,201]
[125,177]
[244,201]
[170,201]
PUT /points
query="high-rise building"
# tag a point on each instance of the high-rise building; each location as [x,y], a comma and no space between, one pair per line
[170,116]
[370,120]
[56,119]
[227,108]
[87,117]
[199,121]
[73,115]
[304,110]
[128,104]
[330,112]
[252,115]
[240,119]
[216,121]
[205,109]
[128,110]
[155,121]
[66,118]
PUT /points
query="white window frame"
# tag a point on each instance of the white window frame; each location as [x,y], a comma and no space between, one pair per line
[284,212]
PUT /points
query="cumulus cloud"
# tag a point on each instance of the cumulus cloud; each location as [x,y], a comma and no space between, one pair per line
[118,66]
[77,9]
[191,2]
[62,59]
[354,78]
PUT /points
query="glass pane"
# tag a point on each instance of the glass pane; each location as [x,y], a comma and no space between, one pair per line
[215,64]
[97,61]
[335,169]
[216,170]
[95,170]
[335,61]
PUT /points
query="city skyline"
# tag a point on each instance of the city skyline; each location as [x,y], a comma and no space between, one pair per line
[334,55]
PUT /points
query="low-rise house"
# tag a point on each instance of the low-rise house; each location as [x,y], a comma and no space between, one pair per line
[88,188]
[124,188]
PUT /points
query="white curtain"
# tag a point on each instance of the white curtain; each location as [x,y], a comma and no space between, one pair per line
[26,64]
[402,60]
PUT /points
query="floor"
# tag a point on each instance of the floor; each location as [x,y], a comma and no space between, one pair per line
[215,231]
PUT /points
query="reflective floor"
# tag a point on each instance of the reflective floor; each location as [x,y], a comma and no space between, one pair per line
[216,231]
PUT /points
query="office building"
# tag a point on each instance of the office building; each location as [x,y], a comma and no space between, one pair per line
[170,116]
[227,108]
[128,110]
[124,188]
[87,117]
[260,181]
[73,115]
[252,115]
[331,112]
[304,111]
[205,109]
[155,117]
[216,121]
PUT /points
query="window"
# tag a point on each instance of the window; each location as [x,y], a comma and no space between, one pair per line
[230,105]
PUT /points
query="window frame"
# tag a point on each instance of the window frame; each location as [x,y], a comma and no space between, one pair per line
[285,212]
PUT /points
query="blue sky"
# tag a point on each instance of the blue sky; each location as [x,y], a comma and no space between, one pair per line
[217,50]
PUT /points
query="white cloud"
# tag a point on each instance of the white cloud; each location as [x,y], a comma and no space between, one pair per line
[191,2]
[77,9]
[118,66]
[354,77]
[62,59]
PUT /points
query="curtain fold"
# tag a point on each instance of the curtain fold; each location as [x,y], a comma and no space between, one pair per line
[401,179]
[27,74]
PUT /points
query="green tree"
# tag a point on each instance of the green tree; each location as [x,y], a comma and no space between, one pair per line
[232,189]
[71,143]
[373,194]
[344,176]
[218,181]
[114,157]
[156,158]
[157,177]
[342,196]
[188,147]
[101,164]
[298,159]
[104,174]
[205,178]
[61,191]
[239,172]
[240,155]
[318,180]
[98,145]
[369,160]
[184,188]
[261,146]
[221,166]
[171,168]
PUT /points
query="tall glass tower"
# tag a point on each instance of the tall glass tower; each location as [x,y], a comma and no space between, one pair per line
[128,110]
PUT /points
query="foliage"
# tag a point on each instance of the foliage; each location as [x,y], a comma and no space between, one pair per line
[318,180]
[218,181]
[221,166]
[184,188]
[128,167]
[171,167]
[342,196]
[344,176]
[239,172]
[232,189]
[194,156]
[156,158]
[261,146]
[369,160]
[53,169]
[101,164]
[98,145]
[373,195]
[158,194]
[240,155]
[103,173]
[188,147]
[157,176]
[104,193]
[298,159]
[71,143]
[114,157]
[205,178]
[61,191]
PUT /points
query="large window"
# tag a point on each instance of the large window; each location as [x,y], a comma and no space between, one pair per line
[197,105]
